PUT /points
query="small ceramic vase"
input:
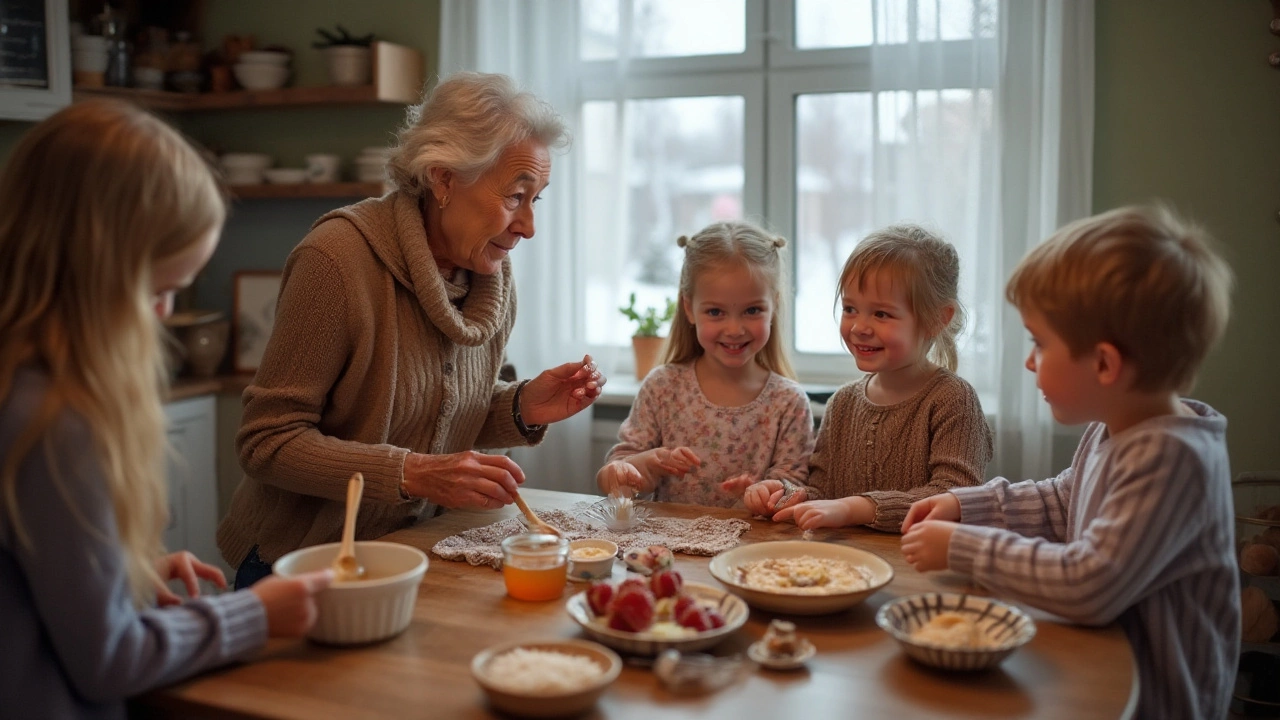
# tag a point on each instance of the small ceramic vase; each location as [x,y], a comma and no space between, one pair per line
[206,346]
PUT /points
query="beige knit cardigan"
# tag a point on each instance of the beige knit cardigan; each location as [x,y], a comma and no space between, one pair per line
[373,355]
[896,454]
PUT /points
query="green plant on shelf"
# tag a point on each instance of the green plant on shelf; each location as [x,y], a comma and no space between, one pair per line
[648,322]
[340,38]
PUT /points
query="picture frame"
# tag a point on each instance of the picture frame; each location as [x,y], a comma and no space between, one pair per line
[255,295]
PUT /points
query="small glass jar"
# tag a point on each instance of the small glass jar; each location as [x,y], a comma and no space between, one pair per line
[535,566]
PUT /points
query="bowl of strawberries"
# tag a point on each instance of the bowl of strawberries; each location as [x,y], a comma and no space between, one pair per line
[646,615]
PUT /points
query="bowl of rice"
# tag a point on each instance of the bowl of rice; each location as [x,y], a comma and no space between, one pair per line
[799,577]
[952,631]
[554,678]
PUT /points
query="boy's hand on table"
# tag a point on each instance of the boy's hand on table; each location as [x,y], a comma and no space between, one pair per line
[926,545]
[944,506]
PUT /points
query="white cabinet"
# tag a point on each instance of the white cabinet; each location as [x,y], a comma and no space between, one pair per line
[193,478]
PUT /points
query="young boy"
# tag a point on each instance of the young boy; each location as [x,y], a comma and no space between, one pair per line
[1121,307]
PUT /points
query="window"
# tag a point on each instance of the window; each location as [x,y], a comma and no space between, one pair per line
[824,118]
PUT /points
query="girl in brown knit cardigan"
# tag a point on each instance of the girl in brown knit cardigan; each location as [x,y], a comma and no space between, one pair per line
[910,428]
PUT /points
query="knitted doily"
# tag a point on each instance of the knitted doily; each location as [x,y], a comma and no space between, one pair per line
[701,536]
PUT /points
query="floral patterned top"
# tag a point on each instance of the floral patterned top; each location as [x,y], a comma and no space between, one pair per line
[770,437]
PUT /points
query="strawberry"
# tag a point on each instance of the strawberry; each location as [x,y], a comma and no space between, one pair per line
[634,582]
[717,620]
[666,583]
[682,602]
[632,608]
[598,597]
[694,618]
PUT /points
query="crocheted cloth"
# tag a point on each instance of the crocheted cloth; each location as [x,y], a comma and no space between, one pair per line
[701,536]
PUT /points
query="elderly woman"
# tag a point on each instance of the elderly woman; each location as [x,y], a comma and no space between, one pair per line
[390,332]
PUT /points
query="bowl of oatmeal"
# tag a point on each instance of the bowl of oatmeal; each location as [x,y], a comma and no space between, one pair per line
[797,577]
[952,631]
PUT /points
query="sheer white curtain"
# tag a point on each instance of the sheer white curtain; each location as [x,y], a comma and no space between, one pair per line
[1045,127]
[990,143]
[536,44]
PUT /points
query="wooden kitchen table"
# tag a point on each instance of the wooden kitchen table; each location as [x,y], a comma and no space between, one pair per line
[859,671]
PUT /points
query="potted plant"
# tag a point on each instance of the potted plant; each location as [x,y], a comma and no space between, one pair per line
[646,341]
[346,55]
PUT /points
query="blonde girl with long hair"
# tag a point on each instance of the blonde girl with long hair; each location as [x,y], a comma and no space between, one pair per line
[910,427]
[105,212]
[722,411]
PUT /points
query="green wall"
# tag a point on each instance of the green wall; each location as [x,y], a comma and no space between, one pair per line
[1188,110]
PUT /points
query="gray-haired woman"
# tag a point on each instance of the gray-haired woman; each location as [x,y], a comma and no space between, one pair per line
[390,330]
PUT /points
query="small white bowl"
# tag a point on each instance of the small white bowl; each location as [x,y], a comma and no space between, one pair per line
[245,161]
[362,611]
[257,76]
[594,568]
[285,176]
[544,705]
[264,57]
[1005,627]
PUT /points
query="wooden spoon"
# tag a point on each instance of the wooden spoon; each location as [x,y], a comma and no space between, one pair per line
[345,567]
[534,520]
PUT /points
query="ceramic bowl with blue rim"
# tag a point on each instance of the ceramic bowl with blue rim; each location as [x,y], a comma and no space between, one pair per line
[952,631]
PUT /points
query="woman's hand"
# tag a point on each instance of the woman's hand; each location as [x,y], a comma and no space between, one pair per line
[291,602]
[186,567]
[560,392]
[463,480]
[943,506]
[927,544]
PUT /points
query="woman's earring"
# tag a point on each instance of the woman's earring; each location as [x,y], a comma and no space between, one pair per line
[444,200]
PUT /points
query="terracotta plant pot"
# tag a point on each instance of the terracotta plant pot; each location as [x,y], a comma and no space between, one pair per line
[646,349]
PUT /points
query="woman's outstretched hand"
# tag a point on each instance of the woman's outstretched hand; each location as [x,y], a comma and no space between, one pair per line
[467,479]
[561,392]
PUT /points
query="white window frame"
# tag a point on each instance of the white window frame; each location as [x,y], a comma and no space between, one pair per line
[770,74]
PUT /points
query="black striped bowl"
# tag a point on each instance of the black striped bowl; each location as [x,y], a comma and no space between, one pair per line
[1006,628]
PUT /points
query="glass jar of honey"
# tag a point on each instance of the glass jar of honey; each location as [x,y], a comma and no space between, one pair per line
[535,566]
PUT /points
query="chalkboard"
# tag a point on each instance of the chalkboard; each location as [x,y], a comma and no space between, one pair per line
[23,51]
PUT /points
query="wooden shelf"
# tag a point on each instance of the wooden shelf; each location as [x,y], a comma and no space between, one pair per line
[241,99]
[309,190]
[397,79]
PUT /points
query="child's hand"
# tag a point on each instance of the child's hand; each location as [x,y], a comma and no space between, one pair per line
[926,545]
[738,483]
[765,497]
[291,602]
[817,514]
[944,506]
[621,474]
[188,568]
[677,462]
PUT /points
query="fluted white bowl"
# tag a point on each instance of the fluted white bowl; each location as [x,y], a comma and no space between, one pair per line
[362,611]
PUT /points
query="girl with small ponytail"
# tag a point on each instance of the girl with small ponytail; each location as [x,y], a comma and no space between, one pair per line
[722,411]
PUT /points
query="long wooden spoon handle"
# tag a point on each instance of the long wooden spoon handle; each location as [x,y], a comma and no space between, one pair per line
[534,520]
[355,489]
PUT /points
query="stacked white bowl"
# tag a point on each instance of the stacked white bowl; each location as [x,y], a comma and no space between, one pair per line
[371,164]
[262,69]
[244,168]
